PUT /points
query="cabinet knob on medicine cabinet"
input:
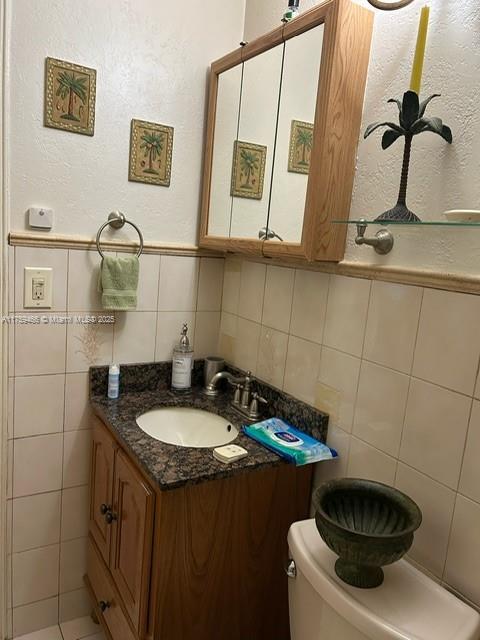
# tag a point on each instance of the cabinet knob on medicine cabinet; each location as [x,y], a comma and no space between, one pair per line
[104,509]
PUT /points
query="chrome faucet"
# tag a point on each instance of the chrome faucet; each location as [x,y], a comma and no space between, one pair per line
[211,389]
[244,400]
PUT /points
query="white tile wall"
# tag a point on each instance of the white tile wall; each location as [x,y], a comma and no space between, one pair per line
[448,340]
[396,368]
[38,405]
[49,420]
[36,521]
[435,430]
[28,618]
[436,502]
[251,290]
[35,575]
[386,361]
[178,284]
[309,305]
[277,306]
[301,369]
[272,354]
[346,314]
[37,465]
[380,408]
[134,337]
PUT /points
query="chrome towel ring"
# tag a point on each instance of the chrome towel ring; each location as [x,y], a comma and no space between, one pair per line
[117,220]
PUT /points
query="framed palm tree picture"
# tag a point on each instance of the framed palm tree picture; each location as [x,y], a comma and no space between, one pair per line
[301,140]
[248,170]
[69,96]
[151,147]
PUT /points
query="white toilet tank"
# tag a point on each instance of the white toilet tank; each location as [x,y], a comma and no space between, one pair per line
[407,606]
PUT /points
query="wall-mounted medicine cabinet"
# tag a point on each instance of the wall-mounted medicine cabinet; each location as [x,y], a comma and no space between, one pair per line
[283,126]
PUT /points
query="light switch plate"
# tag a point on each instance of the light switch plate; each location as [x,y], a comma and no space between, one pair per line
[37,288]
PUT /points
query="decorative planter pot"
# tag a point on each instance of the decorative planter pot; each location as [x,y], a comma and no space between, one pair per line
[367,524]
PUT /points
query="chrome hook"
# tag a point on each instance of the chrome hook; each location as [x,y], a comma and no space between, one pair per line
[382,242]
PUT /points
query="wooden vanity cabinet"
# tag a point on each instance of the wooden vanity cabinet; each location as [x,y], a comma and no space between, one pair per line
[121,528]
[201,562]
[101,494]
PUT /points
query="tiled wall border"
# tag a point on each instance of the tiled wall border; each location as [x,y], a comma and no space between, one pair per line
[463,283]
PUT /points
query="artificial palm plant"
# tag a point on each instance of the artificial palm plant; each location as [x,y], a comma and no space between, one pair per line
[412,121]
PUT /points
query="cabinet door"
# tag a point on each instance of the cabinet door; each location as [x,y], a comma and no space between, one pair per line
[226,132]
[101,488]
[298,102]
[254,148]
[132,529]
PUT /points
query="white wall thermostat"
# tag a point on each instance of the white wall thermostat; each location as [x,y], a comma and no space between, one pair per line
[40,218]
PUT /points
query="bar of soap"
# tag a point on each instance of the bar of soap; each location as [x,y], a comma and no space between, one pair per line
[229,453]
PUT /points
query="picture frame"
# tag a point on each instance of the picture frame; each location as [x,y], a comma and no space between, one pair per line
[70,94]
[300,148]
[151,149]
[248,170]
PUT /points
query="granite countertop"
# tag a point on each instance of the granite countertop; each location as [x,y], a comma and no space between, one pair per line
[146,387]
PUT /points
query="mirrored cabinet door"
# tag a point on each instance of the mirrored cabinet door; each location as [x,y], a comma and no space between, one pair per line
[295,135]
[226,128]
[253,150]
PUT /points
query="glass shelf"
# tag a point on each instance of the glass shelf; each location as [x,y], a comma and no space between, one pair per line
[426,223]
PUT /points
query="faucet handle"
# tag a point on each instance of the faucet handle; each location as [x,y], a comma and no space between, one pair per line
[238,394]
[254,411]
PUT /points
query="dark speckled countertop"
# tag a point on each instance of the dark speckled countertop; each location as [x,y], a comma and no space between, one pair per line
[146,387]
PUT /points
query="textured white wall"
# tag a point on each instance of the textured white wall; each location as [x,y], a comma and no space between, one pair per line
[151,64]
[442,177]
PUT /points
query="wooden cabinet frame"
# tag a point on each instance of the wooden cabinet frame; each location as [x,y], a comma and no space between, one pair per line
[343,73]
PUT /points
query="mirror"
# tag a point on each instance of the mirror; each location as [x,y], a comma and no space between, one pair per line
[226,127]
[298,101]
[264,127]
[255,146]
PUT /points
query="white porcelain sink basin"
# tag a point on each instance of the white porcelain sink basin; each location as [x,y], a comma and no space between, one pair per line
[187,427]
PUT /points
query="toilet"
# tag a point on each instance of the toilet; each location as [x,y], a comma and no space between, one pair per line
[407,606]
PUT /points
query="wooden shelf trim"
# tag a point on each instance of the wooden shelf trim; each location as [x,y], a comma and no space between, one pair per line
[59,241]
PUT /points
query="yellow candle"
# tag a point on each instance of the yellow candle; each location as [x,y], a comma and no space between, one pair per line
[417,69]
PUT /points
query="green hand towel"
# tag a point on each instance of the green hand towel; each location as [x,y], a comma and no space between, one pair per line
[118,283]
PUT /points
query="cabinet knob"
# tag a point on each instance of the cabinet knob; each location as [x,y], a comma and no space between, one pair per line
[110,517]
[104,604]
[104,509]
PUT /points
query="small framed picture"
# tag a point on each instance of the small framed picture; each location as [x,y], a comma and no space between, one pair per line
[301,141]
[248,170]
[151,147]
[69,97]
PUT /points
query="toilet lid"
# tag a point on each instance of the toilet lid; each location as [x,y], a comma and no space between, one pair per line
[407,606]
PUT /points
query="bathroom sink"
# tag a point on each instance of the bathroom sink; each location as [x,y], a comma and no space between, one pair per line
[186,427]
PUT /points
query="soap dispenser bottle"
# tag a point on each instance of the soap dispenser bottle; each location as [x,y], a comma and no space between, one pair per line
[182,363]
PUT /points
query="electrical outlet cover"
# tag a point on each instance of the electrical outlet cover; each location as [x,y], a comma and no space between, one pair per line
[37,288]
